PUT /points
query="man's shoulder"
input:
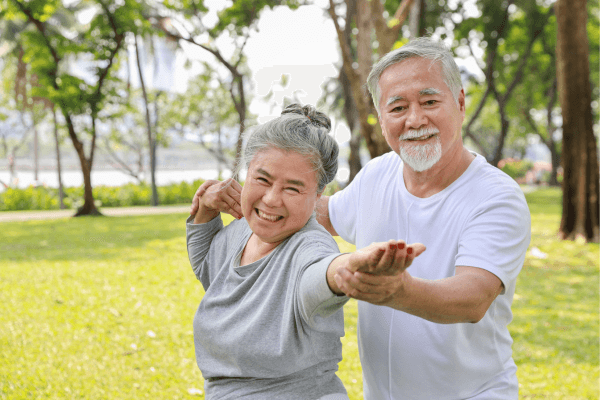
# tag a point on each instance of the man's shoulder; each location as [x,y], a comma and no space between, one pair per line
[385,165]
[488,183]
[487,175]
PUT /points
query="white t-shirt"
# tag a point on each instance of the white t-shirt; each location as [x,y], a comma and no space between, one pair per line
[480,220]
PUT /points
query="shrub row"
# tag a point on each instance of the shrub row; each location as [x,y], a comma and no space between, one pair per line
[43,198]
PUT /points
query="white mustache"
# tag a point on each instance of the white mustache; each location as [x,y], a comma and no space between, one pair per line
[416,133]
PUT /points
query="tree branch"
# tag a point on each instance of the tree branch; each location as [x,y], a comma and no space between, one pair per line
[41,27]
[525,57]
[119,161]
[400,15]
[344,46]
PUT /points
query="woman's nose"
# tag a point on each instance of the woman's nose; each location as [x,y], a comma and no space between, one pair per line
[272,197]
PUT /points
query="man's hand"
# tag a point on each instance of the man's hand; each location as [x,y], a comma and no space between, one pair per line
[213,197]
[377,273]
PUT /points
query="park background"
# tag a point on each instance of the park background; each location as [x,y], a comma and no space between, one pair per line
[135,103]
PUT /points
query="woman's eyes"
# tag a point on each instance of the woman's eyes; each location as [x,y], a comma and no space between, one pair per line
[265,181]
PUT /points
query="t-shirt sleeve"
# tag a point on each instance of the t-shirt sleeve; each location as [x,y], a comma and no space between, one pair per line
[343,208]
[497,235]
[199,240]
[316,301]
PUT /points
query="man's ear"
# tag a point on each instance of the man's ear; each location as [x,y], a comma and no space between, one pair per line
[461,101]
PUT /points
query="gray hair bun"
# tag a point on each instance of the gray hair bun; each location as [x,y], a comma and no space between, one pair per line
[316,117]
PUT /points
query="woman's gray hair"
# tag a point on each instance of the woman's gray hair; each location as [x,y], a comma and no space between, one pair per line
[303,130]
[423,47]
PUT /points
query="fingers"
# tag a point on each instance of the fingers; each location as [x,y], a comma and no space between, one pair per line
[199,193]
[391,256]
[366,259]
[376,289]
[222,196]
[418,249]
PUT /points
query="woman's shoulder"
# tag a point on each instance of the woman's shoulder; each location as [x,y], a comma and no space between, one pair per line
[237,227]
[313,234]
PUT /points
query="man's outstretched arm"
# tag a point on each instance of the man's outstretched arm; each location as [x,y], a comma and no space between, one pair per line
[462,298]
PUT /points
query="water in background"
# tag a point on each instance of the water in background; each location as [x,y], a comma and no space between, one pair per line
[118,178]
[107,177]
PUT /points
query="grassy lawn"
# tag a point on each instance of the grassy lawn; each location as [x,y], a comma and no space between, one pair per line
[102,308]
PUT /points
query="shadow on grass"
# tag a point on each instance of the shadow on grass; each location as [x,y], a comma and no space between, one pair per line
[100,238]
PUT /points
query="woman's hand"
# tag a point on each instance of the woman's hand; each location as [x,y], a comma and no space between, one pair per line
[213,197]
[385,258]
[379,261]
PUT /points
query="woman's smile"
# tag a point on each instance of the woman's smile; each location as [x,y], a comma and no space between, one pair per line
[268,217]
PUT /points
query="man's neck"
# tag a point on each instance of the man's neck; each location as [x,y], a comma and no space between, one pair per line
[427,183]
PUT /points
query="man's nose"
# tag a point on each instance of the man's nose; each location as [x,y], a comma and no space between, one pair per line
[416,117]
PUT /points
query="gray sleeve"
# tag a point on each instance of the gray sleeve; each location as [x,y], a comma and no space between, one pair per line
[199,238]
[315,297]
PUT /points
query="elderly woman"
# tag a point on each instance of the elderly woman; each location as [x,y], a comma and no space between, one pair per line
[270,322]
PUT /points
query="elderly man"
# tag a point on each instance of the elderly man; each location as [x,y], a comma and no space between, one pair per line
[436,329]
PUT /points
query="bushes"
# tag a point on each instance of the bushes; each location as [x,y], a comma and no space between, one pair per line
[42,198]
[515,168]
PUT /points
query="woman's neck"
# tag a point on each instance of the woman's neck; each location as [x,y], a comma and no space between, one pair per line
[256,249]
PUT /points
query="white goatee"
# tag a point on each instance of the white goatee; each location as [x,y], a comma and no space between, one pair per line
[420,156]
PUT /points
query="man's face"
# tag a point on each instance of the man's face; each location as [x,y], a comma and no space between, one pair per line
[419,117]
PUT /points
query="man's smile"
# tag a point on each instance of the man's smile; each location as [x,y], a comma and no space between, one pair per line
[421,138]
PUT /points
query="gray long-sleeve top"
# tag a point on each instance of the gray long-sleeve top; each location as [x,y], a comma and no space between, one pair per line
[270,329]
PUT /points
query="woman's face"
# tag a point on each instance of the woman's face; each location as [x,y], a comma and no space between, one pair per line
[279,195]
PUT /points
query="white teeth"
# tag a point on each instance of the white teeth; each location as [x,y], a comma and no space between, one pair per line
[268,217]
[421,138]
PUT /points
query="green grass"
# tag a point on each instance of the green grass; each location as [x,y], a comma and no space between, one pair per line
[102,308]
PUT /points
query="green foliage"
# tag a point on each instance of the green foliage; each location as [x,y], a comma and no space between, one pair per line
[42,198]
[243,14]
[515,168]
[111,302]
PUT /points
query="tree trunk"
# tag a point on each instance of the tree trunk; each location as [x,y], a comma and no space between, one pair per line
[374,140]
[61,194]
[503,133]
[415,18]
[36,155]
[88,207]
[151,138]
[580,217]
[351,116]
[554,153]
[240,107]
